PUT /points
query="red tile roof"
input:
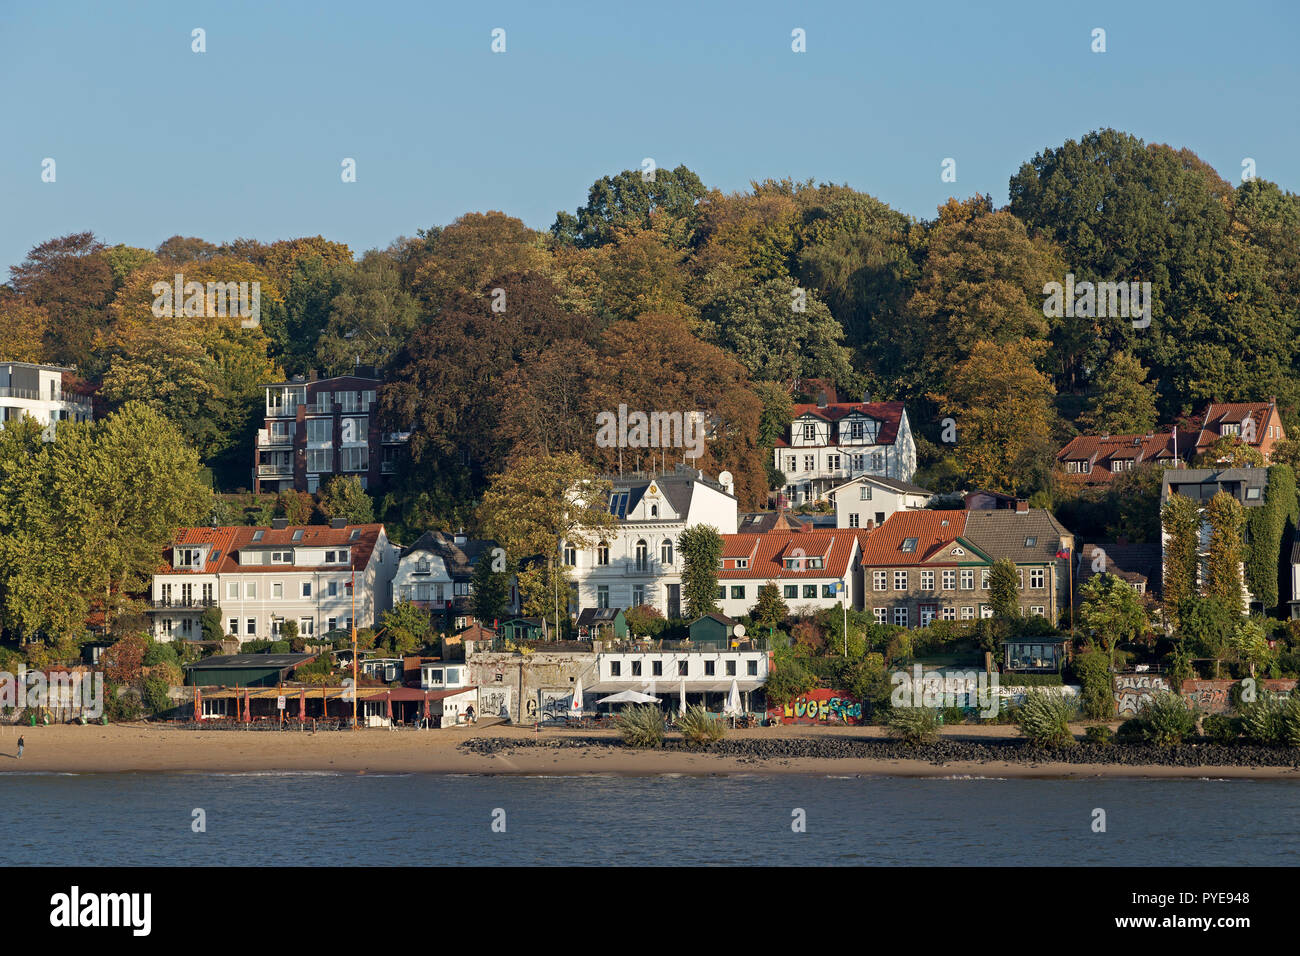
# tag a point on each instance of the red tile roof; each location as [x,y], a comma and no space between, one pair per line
[230,540]
[932,529]
[1233,412]
[837,547]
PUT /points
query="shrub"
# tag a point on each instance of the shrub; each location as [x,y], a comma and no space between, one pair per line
[155,695]
[642,726]
[1221,728]
[1261,721]
[1092,668]
[954,715]
[698,728]
[1131,731]
[914,725]
[1166,720]
[1100,734]
[278,647]
[124,706]
[157,653]
[1044,719]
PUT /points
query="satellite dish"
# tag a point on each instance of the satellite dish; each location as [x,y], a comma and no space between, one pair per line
[740,630]
[725,478]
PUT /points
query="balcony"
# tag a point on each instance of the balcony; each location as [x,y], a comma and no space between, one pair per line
[395,438]
[275,471]
[182,603]
[268,439]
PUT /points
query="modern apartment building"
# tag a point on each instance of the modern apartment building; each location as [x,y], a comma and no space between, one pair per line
[829,443]
[318,428]
[37,391]
[262,577]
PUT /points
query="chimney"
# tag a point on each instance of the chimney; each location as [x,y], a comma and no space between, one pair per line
[338,523]
[1022,506]
[279,524]
[459,537]
[870,525]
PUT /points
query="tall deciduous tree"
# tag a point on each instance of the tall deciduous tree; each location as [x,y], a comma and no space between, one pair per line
[701,549]
[1002,407]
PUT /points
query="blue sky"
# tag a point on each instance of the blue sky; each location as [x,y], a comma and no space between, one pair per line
[151,139]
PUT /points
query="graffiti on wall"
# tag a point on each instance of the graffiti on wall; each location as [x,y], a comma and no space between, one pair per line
[819,707]
[555,703]
[1215,696]
[494,702]
[1132,691]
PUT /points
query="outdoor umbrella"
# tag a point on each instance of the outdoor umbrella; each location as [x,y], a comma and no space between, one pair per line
[197,694]
[733,700]
[389,696]
[576,706]
[248,706]
[681,697]
[302,704]
[427,715]
[628,697]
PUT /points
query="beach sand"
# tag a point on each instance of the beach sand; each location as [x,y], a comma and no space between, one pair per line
[144,747]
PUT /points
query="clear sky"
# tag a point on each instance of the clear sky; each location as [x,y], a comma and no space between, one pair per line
[151,139]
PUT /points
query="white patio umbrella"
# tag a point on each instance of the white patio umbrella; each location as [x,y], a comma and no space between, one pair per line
[681,697]
[628,697]
[576,706]
[733,700]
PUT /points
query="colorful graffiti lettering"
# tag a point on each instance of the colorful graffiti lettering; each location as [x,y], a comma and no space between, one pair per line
[1132,690]
[820,706]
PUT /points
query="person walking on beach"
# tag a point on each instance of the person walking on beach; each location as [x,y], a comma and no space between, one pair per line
[20,748]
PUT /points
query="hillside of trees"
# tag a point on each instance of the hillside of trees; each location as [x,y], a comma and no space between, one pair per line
[500,341]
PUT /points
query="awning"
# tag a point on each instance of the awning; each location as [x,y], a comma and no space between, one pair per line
[670,690]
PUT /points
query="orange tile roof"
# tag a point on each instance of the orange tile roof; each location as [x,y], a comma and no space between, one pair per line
[1233,412]
[230,540]
[932,529]
[837,547]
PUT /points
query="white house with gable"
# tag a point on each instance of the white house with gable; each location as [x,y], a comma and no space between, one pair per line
[868,500]
[639,561]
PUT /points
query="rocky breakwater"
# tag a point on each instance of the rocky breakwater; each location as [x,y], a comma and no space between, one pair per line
[944,751]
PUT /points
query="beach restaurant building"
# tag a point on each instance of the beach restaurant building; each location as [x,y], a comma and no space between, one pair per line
[704,673]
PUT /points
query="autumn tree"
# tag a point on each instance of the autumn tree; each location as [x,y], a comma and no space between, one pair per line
[23,328]
[1181,522]
[70,278]
[1002,406]
[1224,564]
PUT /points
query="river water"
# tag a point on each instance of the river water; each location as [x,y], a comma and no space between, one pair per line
[362,819]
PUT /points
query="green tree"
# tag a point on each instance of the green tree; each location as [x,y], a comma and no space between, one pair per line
[405,627]
[1123,401]
[1004,590]
[701,549]
[1181,521]
[1224,563]
[770,611]
[490,588]
[630,200]
[343,497]
[1112,609]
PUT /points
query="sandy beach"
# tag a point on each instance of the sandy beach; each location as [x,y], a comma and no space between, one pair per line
[143,747]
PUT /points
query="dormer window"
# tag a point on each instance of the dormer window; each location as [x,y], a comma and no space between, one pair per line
[809,432]
[1230,428]
[742,564]
[282,557]
[190,558]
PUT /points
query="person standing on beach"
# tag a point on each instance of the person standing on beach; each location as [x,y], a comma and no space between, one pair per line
[20,748]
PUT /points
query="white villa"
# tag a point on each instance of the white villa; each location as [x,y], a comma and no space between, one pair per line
[639,563]
[830,443]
